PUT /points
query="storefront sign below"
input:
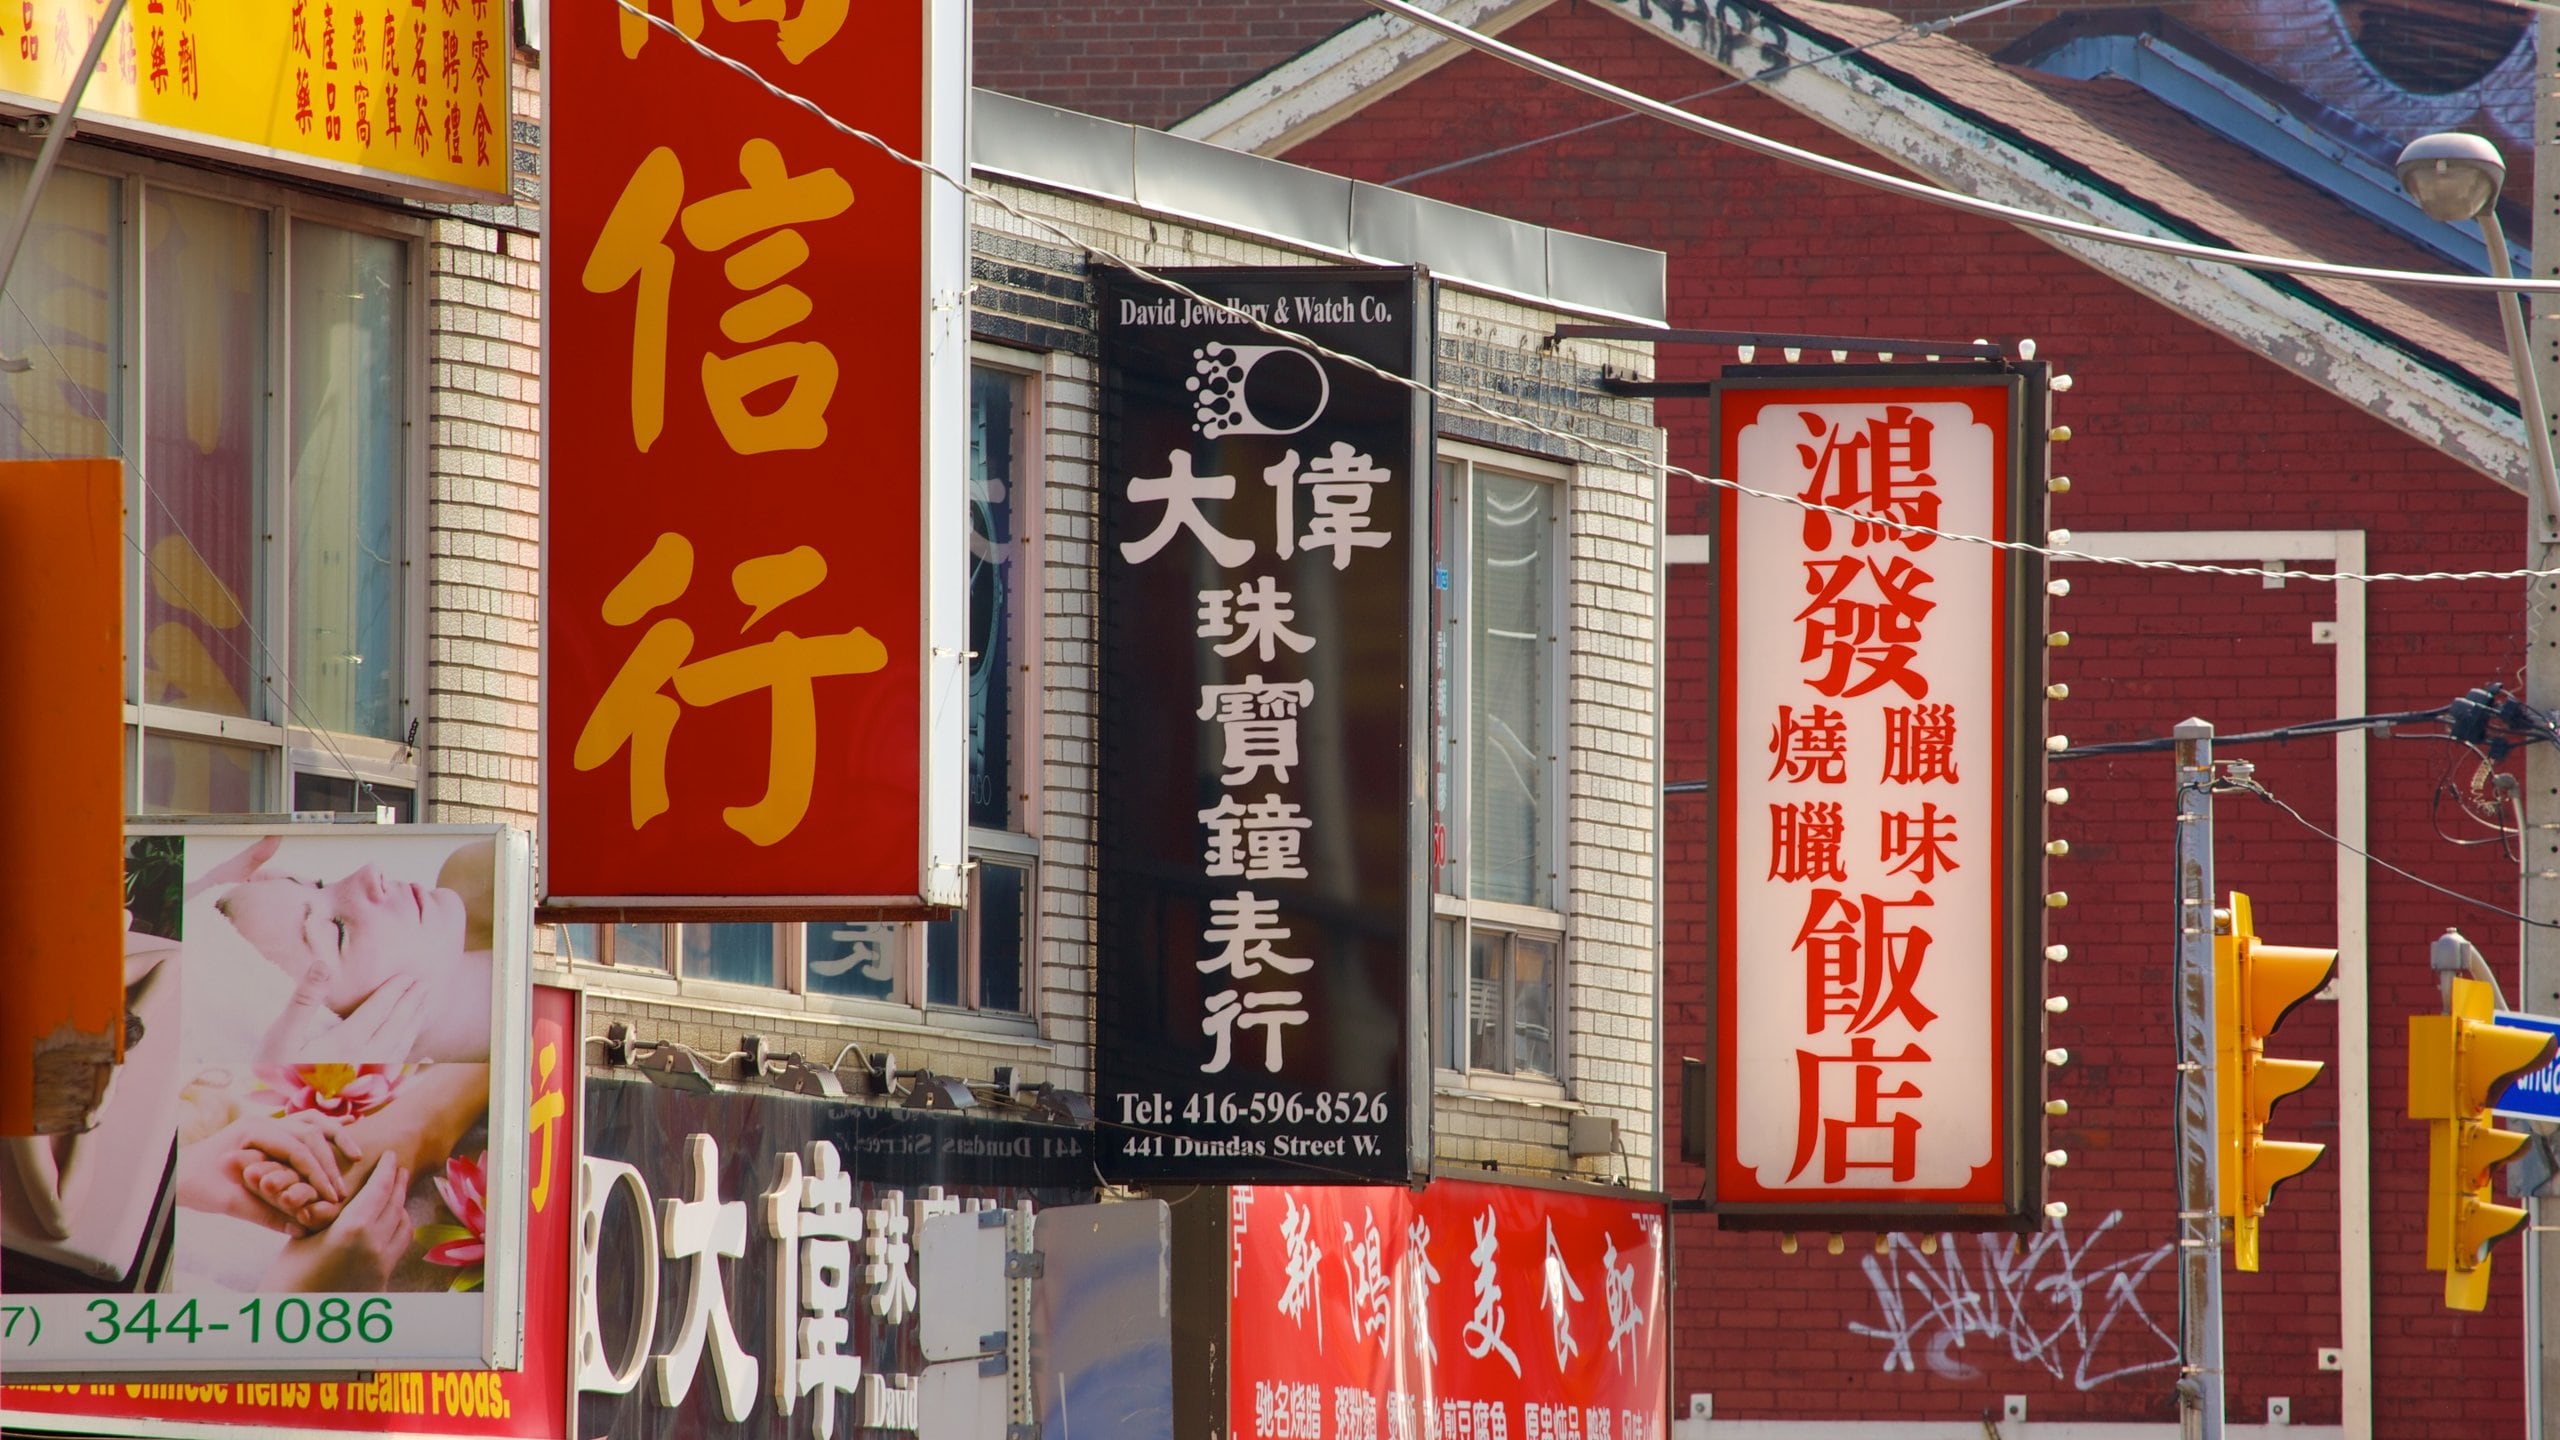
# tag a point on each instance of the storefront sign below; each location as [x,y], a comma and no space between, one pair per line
[1463,1311]
[754,1267]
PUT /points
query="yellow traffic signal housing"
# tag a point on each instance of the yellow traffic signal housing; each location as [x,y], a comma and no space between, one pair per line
[2459,1063]
[2256,986]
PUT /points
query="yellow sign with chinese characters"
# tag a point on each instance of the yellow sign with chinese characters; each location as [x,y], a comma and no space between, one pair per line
[406,95]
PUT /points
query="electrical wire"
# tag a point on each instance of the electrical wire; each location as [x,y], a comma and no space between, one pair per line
[2252,787]
[1919,30]
[1636,459]
[2306,731]
[2481,809]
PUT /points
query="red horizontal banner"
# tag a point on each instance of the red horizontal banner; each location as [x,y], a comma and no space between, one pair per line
[1462,1312]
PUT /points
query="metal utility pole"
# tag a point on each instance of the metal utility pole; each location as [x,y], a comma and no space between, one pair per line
[2539,949]
[2199,1197]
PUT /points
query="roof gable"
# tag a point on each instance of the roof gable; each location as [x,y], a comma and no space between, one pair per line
[2092,151]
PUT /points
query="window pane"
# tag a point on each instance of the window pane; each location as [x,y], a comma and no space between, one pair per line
[204,385]
[1003,901]
[735,954]
[1484,1001]
[347,294]
[182,775]
[995,598]
[1533,1006]
[642,947]
[942,963]
[856,960]
[1449,994]
[577,942]
[1512,597]
[63,315]
[1447,528]
[345,795]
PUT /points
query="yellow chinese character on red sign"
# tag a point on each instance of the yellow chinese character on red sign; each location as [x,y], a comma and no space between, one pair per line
[637,713]
[798,36]
[633,246]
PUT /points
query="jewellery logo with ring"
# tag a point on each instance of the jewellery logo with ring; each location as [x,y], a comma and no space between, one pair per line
[1234,393]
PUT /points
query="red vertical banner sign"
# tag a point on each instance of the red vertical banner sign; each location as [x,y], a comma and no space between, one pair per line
[1462,1311]
[752,414]
[1879,697]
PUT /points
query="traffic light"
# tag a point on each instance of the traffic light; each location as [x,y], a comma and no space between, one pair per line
[2459,1063]
[2256,986]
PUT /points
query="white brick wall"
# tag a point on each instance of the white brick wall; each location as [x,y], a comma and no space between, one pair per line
[484,379]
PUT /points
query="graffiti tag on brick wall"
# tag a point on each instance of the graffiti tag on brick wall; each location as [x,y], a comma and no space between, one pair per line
[2038,1297]
[1740,37]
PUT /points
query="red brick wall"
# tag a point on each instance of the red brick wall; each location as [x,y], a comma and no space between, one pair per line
[1148,62]
[2176,429]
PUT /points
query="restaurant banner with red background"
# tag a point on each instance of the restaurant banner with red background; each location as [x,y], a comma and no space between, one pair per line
[1462,1311]
[752,601]
[1880,703]
[527,1404]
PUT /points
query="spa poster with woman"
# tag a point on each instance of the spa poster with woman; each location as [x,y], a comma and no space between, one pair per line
[313,1157]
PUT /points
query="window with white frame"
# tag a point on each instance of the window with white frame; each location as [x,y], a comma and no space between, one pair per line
[981,961]
[247,354]
[1497,705]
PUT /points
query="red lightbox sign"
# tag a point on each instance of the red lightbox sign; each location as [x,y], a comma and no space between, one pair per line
[531,1403]
[1879,698]
[753,669]
[1466,1311]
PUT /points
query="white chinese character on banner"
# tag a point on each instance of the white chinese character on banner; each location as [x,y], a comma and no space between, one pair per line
[1304,1290]
[705,1230]
[1241,931]
[1267,1010]
[931,1201]
[1260,841]
[1239,1210]
[1618,1289]
[1256,616]
[1418,1275]
[1559,1288]
[893,1287]
[814,1228]
[1342,485]
[1484,1332]
[1364,1270]
[1260,725]
[1181,493]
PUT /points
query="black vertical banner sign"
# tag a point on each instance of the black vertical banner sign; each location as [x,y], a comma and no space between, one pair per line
[1263,524]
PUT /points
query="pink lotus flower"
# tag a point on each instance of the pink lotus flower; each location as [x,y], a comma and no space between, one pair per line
[342,1092]
[464,1186]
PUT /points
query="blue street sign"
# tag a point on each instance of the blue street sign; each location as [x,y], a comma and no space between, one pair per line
[2535,1095]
